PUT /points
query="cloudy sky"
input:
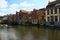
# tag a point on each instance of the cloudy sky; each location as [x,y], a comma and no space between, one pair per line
[11,6]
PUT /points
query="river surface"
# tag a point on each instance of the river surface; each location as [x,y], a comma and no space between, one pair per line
[28,33]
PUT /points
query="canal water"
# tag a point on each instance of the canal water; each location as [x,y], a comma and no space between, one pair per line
[28,33]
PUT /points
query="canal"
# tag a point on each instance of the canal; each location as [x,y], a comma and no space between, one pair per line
[28,33]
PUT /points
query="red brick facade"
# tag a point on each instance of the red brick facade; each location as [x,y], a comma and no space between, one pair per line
[24,16]
[37,15]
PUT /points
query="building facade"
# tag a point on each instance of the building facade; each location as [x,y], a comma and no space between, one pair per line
[53,13]
[23,17]
[37,16]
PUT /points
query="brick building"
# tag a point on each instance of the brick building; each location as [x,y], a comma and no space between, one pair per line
[23,16]
[36,16]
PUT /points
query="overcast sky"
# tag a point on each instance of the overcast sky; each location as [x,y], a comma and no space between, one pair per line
[11,6]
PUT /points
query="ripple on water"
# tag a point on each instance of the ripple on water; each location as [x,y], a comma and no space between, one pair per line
[22,34]
[28,36]
[7,34]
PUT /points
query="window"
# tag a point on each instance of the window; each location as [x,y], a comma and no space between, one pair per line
[56,18]
[52,18]
[47,11]
[59,18]
[48,19]
[55,10]
[51,11]
[59,10]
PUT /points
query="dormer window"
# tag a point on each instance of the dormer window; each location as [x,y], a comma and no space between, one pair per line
[58,4]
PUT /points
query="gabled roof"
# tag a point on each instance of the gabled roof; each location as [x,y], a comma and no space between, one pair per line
[24,11]
[53,3]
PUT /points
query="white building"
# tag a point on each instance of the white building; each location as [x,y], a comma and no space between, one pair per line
[53,13]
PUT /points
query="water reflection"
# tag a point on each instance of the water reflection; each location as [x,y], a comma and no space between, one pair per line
[43,37]
[29,33]
[28,36]
[3,35]
[7,34]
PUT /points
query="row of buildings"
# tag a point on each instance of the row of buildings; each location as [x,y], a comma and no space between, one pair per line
[48,15]
[24,16]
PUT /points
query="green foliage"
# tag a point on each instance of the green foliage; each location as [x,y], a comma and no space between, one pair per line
[5,21]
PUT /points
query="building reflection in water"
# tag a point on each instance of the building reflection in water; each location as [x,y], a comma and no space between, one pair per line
[7,34]
[26,33]
[28,36]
